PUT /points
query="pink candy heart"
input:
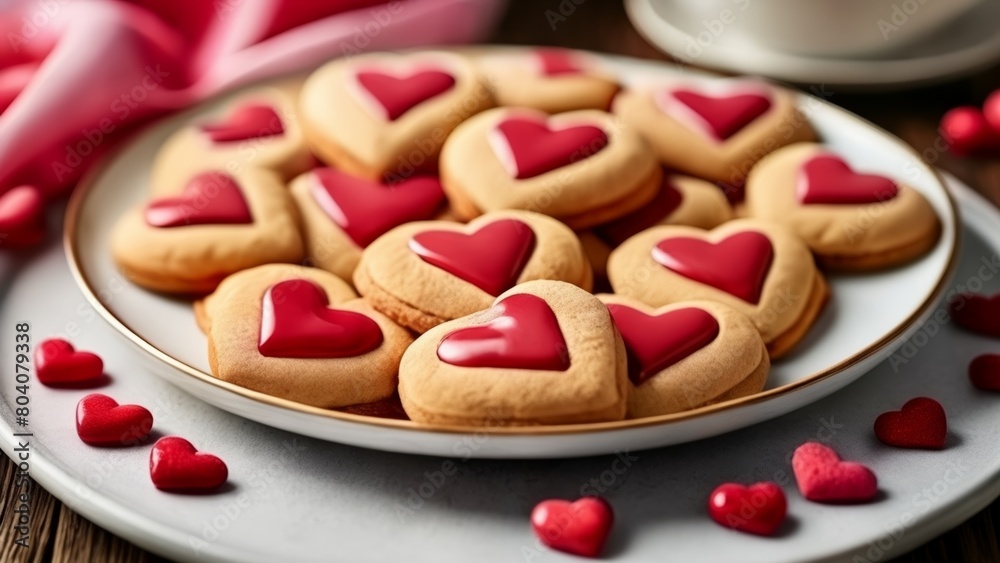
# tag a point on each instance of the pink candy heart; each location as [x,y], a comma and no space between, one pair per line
[823,477]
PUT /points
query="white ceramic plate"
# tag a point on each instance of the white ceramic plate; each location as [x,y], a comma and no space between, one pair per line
[867,318]
[968,44]
[299,499]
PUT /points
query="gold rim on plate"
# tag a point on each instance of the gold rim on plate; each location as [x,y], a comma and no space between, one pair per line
[70,241]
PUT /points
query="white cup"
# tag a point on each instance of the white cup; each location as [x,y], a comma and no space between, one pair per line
[829,27]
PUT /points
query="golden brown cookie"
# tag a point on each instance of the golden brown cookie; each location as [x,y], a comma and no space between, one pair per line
[687,354]
[761,269]
[300,334]
[714,128]
[583,168]
[549,79]
[422,274]
[383,116]
[342,214]
[258,129]
[545,352]
[852,220]
[219,225]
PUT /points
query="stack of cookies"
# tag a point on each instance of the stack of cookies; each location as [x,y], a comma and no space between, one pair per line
[421,235]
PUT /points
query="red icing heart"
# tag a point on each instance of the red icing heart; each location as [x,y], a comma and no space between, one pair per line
[737,265]
[655,343]
[921,423]
[978,313]
[396,96]
[667,200]
[57,363]
[580,527]
[491,258]
[528,147]
[558,61]
[823,477]
[525,335]
[758,509]
[365,210]
[968,132]
[828,179]
[101,421]
[251,121]
[723,116]
[22,217]
[210,198]
[297,323]
[984,372]
[175,465]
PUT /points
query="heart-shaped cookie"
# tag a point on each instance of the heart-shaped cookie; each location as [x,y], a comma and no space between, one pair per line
[22,217]
[257,129]
[760,269]
[686,355]
[301,334]
[583,167]
[756,509]
[175,465]
[921,423]
[852,219]
[823,477]
[422,274]
[384,117]
[545,352]
[343,214]
[581,527]
[101,421]
[220,224]
[715,129]
[550,80]
[57,363]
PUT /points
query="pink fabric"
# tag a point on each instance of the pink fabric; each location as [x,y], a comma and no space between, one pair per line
[75,74]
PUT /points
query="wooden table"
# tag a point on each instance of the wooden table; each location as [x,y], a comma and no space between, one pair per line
[59,534]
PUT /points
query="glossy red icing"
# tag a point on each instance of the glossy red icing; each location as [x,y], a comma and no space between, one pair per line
[365,210]
[529,147]
[828,179]
[654,343]
[210,198]
[491,258]
[398,95]
[737,264]
[250,121]
[555,62]
[296,322]
[175,465]
[101,421]
[667,200]
[724,116]
[525,335]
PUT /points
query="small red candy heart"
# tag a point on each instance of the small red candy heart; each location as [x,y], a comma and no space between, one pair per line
[397,95]
[251,121]
[580,527]
[721,117]
[58,363]
[528,147]
[968,132]
[210,198]
[827,179]
[979,313]
[738,264]
[921,423]
[22,217]
[984,372]
[101,421]
[175,465]
[525,335]
[757,509]
[823,477]
[991,110]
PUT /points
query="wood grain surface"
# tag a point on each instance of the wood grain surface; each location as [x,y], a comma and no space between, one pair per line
[58,534]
